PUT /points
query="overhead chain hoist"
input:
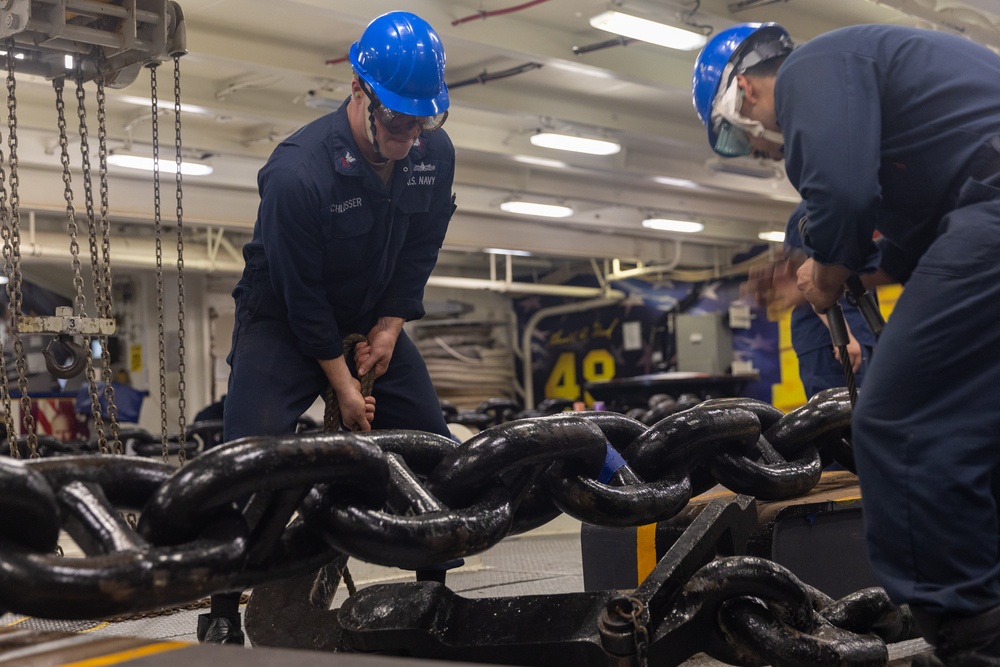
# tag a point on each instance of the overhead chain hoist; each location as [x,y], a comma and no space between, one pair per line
[108,42]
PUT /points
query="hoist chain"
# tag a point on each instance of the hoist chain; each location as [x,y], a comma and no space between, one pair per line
[67,178]
[80,302]
[12,255]
[181,402]
[213,351]
[106,307]
[9,333]
[158,235]
[88,192]
[411,499]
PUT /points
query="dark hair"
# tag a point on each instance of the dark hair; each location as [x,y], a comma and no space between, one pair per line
[768,68]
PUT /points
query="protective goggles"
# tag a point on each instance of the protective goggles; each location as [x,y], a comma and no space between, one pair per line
[399,123]
[733,130]
[731,141]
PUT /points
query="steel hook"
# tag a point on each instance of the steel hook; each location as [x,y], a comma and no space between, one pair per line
[75,354]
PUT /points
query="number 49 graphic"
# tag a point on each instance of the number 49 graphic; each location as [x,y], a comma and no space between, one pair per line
[563,383]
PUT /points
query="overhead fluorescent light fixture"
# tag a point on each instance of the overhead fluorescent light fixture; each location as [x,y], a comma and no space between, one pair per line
[665,225]
[507,251]
[540,161]
[568,142]
[534,208]
[130,161]
[144,102]
[676,182]
[773,237]
[648,31]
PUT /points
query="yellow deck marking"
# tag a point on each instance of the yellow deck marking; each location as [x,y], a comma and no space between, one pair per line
[122,656]
[645,550]
[97,627]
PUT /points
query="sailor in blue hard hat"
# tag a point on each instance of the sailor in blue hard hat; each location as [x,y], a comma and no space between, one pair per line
[398,89]
[896,129]
[354,207]
[730,104]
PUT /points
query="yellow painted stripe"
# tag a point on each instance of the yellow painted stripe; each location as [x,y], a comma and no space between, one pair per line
[645,550]
[123,656]
[97,627]
[20,620]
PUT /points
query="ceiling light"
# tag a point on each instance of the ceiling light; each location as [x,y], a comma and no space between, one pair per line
[773,237]
[507,251]
[145,102]
[567,142]
[534,208]
[678,182]
[540,161]
[664,225]
[130,161]
[648,31]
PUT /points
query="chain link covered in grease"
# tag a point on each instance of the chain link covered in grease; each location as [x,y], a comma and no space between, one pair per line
[398,498]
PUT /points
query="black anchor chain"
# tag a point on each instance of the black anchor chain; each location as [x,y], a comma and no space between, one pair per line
[752,611]
[739,609]
[399,498]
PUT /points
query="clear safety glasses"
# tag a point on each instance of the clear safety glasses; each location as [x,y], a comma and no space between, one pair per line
[399,123]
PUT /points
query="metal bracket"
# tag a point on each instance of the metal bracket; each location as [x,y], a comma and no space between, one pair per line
[128,35]
[64,322]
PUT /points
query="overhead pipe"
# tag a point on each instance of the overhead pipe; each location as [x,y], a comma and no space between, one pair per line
[138,253]
[750,4]
[481,15]
[505,287]
[606,44]
[978,33]
[486,77]
[618,273]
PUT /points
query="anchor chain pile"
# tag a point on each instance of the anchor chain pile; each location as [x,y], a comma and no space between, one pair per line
[398,498]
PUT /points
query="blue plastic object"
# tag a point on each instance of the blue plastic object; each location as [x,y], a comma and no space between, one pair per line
[401,58]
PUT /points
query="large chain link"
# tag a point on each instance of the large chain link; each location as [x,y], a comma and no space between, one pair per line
[410,499]
[398,498]
[752,611]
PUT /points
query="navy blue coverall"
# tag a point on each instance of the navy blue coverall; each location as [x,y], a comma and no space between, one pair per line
[333,250]
[896,129]
[819,369]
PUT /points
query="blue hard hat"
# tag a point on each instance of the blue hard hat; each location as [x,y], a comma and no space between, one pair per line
[401,58]
[746,44]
